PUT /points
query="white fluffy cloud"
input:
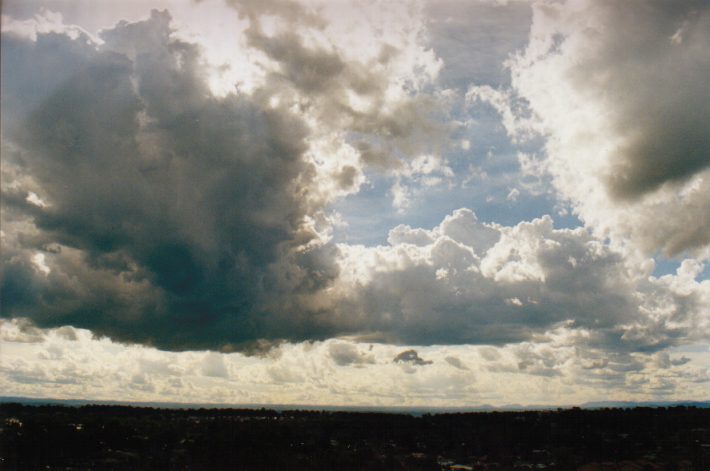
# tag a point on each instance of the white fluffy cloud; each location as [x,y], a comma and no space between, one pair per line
[469,282]
[619,91]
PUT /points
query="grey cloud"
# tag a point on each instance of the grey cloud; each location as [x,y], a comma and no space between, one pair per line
[635,161]
[67,333]
[262,348]
[344,354]
[664,360]
[383,133]
[489,353]
[614,369]
[178,212]
[35,376]
[534,279]
[23,331]
[177,219]
[456,363]
[141,382]
[291,11]
[542,362]
[213,365]
[38,373]
[411,357]
[595,364]
[658,89]
[173,218]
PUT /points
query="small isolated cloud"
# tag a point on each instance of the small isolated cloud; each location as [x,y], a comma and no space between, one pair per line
[513,195]
[411,357]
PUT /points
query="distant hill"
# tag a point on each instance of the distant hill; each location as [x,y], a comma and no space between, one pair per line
[627,404]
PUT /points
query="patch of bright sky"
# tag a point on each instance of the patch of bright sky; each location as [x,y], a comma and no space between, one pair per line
[666,266]
[485,172]
[473,41]
[207,22]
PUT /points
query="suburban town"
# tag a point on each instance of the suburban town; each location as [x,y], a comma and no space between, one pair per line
[122,437]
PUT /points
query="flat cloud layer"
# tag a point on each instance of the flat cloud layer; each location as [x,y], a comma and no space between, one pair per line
[70,362]
[141,205]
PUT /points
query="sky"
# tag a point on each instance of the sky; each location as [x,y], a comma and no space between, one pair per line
[436,203]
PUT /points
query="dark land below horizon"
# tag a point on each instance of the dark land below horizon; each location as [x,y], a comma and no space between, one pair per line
[53,436]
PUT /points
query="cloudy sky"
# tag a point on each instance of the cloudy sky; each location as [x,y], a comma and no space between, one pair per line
[443,203]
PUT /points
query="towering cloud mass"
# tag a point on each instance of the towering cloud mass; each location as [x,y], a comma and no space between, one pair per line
[620,91]
[139,204]
[168,213]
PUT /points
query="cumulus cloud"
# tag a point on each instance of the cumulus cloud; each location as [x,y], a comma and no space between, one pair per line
[618,90]
[141,205]
[470,282]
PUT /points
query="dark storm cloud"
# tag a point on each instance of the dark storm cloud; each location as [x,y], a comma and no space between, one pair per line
[169,216]
[177,212]
[655,72]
